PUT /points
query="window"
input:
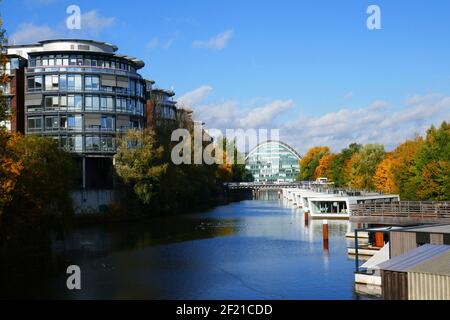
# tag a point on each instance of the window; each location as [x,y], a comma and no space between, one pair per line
[75,102]
[72,61]
[34,124]
[92,103]
[92,83]
[107,144]
[52,123]
[107,123]
[74,122]
[72,143]
[51,82]
[63,82]
[92,143]
[63,102]
[121,104]
[107,104]
[34,83]
[74,82]
[63,123]
[51,102]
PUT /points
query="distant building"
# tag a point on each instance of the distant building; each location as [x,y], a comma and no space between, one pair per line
[273,161]
[160,107]
[13,93]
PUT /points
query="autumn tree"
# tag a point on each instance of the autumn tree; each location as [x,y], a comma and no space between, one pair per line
[310,162]
[10,166]
[40,198]
[432,165]
[364,164]
[384,179]
[403,168]
[139,164]
[341,165]
[325,168]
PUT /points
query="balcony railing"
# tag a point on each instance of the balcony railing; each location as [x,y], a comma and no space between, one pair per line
[403,209]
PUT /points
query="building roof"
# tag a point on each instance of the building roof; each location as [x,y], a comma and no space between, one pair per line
[414,258]
[439,265]
[441,229]
[55,45]
[288,147]
[113,46]
[166,92]
[40,43]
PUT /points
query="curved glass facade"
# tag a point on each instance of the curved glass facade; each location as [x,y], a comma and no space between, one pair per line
[273,161]
[83,99]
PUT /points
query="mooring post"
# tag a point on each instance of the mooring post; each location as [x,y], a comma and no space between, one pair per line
[306,217]
[325,235]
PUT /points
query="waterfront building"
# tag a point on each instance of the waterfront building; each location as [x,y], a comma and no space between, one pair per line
[323,201]
[82,93]
[419,274]
[273,161]
[161,109]
[13,93]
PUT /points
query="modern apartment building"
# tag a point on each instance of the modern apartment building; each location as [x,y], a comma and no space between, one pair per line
[83,94]
[161,109]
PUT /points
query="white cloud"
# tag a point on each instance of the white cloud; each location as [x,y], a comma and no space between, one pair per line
[93,23]
[263,116]
[194,97]
[31,33]
[217,42]
[152,44]
[377,123]
[232,114]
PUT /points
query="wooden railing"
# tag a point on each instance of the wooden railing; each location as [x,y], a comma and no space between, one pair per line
[403,209]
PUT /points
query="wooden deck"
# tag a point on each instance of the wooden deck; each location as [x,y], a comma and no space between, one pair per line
[403,212]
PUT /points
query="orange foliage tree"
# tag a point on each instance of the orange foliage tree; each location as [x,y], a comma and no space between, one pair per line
[310,162]
[384,179]
[324,170]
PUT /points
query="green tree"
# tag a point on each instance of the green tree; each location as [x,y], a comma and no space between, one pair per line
[432,165]
[139,163]
[341,165]
[364,165]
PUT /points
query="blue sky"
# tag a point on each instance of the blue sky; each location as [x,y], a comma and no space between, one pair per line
[310,68]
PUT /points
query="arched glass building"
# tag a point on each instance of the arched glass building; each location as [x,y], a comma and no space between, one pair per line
[273,161]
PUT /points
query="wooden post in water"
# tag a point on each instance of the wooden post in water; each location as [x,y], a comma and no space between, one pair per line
[325,235]
[306,218]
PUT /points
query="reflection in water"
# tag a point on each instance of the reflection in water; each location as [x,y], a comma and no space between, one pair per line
[248,250]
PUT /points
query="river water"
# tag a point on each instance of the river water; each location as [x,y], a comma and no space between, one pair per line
[258,249]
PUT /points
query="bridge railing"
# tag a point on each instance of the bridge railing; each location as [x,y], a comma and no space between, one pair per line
[403,209]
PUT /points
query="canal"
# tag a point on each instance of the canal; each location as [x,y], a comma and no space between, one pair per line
[257,249]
